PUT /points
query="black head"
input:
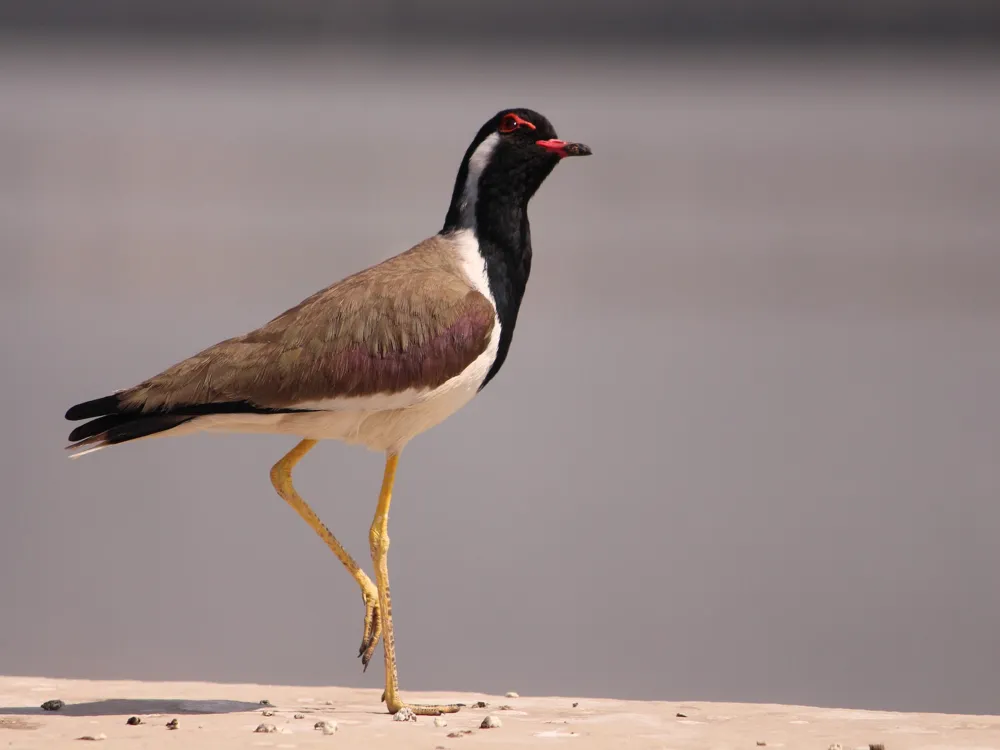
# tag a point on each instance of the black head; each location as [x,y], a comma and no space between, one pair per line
[505,164]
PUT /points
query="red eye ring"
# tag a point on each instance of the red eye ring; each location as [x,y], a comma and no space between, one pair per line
[512,122]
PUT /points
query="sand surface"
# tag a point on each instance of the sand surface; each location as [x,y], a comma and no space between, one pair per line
[212,715]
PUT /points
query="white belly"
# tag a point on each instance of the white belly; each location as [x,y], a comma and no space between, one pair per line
[379,430]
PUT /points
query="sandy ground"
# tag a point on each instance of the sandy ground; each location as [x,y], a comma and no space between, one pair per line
[211,715]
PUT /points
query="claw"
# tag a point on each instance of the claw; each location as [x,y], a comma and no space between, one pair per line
[366,656]
[372,631]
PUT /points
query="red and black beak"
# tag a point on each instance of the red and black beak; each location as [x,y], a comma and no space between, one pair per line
[564,148]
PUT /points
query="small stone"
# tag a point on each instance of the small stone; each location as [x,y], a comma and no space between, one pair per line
[836,746]
[265,702]
[94,737]
[480,704]
[578,703]
[440,722]
[404,714]
[459,733]
[505,707]
[299,716]
[172,724]
[53,705]
[878,746]
[268,713]
[511,694]
[761,743]
[679,715]
[265,729]
[133,721]
[490,722]
[326,727]
[328,703]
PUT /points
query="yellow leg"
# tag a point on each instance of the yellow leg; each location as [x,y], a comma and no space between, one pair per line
[378,538]
[281,478]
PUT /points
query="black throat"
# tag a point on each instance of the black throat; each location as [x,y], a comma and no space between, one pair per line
[504,236]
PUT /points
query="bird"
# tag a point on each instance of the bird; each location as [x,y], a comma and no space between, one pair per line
[373,360]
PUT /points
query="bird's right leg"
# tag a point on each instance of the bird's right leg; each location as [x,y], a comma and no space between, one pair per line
[281,478]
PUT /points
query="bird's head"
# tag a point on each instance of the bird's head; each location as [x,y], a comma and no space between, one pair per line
[507,161]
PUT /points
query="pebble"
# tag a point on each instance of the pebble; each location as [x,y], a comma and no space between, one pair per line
[440,722]
[490,722]
[505,707]
[268,713]
[511,694]
[836,746]
[878,746]
[578,703]
[679,715]
[53,705]
[459,733]
[761,743]
[133,721]
[265,702]
[172,724]
[404,714]
[326,727]
[265,729]
[299,716]
[94,737]
[480,704]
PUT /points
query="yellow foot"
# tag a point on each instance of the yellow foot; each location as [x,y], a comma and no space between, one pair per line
[373,627]
[397,705]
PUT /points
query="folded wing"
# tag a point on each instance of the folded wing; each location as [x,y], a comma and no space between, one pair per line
[403,327]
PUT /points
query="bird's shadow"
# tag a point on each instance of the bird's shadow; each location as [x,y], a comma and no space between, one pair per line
[136,706]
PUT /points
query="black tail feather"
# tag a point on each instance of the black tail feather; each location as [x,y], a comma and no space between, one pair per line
[98,407]
[127,428]
[143,426]
[99,425]
[110,424]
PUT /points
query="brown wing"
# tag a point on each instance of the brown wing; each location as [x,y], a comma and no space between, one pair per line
[412,321]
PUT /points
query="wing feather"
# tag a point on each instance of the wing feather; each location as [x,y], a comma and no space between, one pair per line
[408,323]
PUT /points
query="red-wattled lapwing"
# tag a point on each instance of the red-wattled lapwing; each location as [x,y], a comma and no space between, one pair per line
[373,360]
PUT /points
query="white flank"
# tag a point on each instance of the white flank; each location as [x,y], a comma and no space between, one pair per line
[477,163]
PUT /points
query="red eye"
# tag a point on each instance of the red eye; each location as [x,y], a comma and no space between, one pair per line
[509,123]
[512,122]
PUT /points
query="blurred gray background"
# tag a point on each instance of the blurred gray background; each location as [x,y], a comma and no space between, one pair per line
[745,445]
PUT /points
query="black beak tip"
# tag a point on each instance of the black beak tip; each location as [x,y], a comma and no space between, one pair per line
[578,149]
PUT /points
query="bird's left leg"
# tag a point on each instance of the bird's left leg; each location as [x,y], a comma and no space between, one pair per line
[378,538]
[281,478]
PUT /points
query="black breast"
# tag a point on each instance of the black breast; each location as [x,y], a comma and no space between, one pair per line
[508,263]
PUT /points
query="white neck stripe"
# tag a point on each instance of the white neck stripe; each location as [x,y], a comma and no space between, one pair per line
[477,163]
